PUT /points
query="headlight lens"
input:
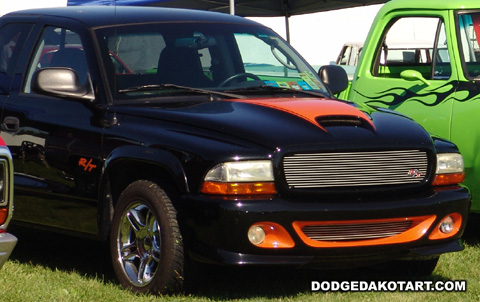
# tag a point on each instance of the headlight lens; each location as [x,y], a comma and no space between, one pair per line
[449,163]
[240,178]
[450,169]
[241,171]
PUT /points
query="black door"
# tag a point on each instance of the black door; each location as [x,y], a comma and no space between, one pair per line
[55,142]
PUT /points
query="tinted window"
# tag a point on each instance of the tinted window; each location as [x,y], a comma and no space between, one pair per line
[58,47]
[140,58]
[12,38]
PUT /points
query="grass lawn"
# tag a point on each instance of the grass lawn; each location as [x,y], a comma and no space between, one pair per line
[50,267]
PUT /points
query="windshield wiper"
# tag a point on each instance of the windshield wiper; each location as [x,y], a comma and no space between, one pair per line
[179,87]
[273,89]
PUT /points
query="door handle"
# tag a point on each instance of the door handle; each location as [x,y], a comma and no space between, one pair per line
[11,124]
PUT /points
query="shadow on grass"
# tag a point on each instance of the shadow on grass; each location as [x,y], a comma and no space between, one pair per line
[86,257]
[472,231]
[90,258]
[222,283]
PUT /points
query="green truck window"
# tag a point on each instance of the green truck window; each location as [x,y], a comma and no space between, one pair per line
[469,43]
[416,43]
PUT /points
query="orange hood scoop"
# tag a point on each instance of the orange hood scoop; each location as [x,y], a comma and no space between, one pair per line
[320,112]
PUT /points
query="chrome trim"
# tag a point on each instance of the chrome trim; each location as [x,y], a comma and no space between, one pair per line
[357,231]
[7,244]
[353,169]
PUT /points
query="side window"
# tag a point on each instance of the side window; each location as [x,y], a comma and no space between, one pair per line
[344,57]
[442,68]
[12,38]
[469,33]
[417,43]
[349,55]
[58,47]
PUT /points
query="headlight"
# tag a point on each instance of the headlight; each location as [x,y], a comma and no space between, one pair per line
[241,171]
[240,178]
[450,169]
[449,163]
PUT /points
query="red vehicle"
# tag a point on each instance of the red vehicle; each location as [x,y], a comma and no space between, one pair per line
[7,240]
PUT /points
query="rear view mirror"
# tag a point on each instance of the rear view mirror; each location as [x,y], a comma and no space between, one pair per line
[335,77]
[60,82]
[412,75]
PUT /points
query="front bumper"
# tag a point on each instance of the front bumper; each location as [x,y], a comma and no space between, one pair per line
[215,228]
[7,243]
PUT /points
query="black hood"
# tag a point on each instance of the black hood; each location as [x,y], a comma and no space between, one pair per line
[294,121]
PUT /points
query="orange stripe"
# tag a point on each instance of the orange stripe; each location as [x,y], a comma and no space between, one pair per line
[419,227]
[310,109]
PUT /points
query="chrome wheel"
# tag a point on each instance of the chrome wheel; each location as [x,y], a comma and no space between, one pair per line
[139,244]
[145,240]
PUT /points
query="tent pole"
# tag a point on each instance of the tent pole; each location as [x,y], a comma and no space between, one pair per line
[232,7]
[287,28]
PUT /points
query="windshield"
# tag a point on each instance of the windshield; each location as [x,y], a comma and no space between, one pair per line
[141,59]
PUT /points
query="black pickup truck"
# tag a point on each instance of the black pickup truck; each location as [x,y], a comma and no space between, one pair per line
[178,134]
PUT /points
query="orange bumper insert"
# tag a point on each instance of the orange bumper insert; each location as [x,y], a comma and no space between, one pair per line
[352,233]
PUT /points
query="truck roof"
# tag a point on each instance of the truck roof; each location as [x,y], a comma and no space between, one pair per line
[433,5]
[97,16]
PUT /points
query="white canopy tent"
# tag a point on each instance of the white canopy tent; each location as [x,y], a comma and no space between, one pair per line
[245,8]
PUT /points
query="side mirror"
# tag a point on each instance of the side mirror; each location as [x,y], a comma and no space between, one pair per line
[335,77]
[413,75]
[60,82]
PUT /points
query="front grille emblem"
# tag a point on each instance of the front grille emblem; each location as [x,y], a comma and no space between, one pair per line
[414,173]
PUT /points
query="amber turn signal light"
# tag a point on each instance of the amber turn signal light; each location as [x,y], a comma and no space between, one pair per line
[238,188]
[448,179]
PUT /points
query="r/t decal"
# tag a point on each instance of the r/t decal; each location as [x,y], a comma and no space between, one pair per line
[87,165]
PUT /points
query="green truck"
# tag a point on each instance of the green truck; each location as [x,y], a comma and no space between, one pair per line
[438,87]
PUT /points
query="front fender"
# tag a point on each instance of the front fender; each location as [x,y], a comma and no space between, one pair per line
[143,156]
[444,146]
[158,157]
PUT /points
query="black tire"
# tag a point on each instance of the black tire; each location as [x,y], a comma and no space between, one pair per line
[145,241]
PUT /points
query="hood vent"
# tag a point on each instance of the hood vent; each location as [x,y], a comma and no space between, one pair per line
[341,120]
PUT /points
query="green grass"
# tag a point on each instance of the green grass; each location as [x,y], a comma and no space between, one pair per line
[48,267]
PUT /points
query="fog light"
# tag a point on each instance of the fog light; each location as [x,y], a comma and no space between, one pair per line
[256,235]
[446,226]
[270,235]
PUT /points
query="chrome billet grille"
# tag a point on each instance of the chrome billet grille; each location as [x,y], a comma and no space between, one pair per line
[354,169]
[352,232]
